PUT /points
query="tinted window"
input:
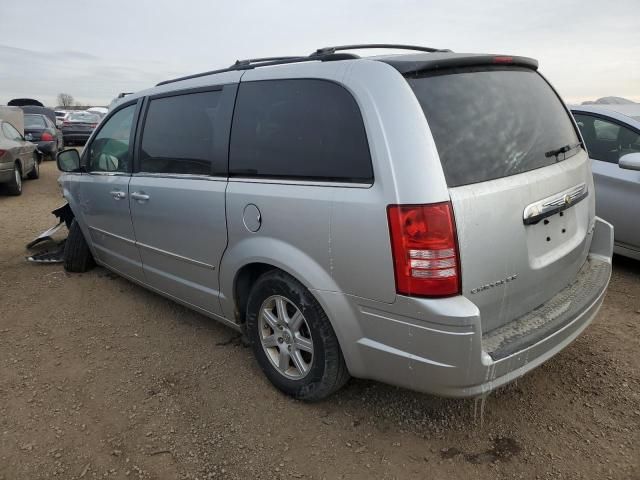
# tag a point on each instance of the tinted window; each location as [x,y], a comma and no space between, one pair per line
[180,134]
[298,129]
[109,150]
[492,123]
[607,141]
[34,121]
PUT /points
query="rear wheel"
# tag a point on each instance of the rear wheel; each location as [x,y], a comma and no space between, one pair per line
[14,187]
[35,171]
[292,338]
[77,256]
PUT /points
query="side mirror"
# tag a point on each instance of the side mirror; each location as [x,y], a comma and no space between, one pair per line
[630,161]
[68,160]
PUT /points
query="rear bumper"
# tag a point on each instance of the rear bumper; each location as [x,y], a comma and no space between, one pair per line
[76,136]
[46,147]
[437,346]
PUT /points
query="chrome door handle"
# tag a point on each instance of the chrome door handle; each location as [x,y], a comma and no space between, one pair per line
[140,196]
[118,195]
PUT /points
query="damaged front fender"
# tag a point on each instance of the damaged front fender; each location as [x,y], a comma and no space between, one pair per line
[64,214]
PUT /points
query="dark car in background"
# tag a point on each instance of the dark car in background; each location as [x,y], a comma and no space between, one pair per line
[42,131]
[78,127]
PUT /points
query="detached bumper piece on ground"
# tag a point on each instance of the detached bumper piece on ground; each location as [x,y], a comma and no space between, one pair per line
[55,254]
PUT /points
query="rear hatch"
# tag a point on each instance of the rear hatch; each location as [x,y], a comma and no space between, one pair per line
[519,181]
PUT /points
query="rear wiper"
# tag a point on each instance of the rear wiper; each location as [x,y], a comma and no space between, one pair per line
[565,149]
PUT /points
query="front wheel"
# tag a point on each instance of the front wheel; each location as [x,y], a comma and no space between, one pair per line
[292,338]
[77,256]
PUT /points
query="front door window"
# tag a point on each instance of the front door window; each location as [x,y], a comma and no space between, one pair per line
[109,151]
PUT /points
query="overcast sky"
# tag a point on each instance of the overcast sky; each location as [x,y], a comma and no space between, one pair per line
[96,49]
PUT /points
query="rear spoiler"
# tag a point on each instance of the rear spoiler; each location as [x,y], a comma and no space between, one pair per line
[413,64]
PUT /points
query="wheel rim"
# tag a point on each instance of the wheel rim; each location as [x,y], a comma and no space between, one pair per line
[18,178]
[285,337]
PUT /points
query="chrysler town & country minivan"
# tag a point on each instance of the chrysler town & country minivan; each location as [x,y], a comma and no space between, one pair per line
[424,219]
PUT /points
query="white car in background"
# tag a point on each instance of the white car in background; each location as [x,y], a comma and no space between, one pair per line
[613,143]
[61,116]
[100,111]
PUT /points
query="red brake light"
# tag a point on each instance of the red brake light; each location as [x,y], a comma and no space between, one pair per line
[425,250]
[46,137]
[502,59]
[2,152]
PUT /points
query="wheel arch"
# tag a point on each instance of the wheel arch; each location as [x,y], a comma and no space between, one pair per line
[251,257]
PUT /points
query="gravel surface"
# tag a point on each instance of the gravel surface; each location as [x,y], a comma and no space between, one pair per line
[100,378]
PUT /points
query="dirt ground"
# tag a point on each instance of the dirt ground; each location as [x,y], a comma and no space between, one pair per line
[102,379]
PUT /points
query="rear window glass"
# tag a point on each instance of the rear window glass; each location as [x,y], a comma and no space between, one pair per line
[84,117]
[299,129]
[34,121]
[490,123]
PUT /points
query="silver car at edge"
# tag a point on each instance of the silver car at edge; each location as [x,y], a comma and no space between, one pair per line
[613,141]
[426,220]
[18,159]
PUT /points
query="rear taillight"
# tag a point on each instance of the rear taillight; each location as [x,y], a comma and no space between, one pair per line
[2,152]
[425,249]
[46,137]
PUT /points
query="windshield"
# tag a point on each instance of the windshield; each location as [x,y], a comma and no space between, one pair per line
[493,122]
[84,117]
[34,121]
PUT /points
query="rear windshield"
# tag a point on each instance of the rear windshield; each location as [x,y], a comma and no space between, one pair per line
[490,123]
[34,121]
[84,117]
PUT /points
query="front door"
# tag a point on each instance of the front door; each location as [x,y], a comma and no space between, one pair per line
[617,189]
[103,194]
[178,194]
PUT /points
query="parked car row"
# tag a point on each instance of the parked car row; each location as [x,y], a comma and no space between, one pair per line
[426,220]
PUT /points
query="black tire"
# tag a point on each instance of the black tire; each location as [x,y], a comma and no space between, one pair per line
[14,187]
[35,171]
[77,256]
[328,371]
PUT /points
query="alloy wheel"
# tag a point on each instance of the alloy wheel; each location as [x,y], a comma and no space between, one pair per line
[18,175]
[285,337]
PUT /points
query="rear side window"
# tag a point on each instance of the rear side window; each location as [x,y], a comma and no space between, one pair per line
[493,122]
[11,133]
[181,133]
[298,129]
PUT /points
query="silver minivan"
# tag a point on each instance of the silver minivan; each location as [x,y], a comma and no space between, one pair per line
[425,219]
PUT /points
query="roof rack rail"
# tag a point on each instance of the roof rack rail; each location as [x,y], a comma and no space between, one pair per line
[332,50]
[265,62]
[250,61]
